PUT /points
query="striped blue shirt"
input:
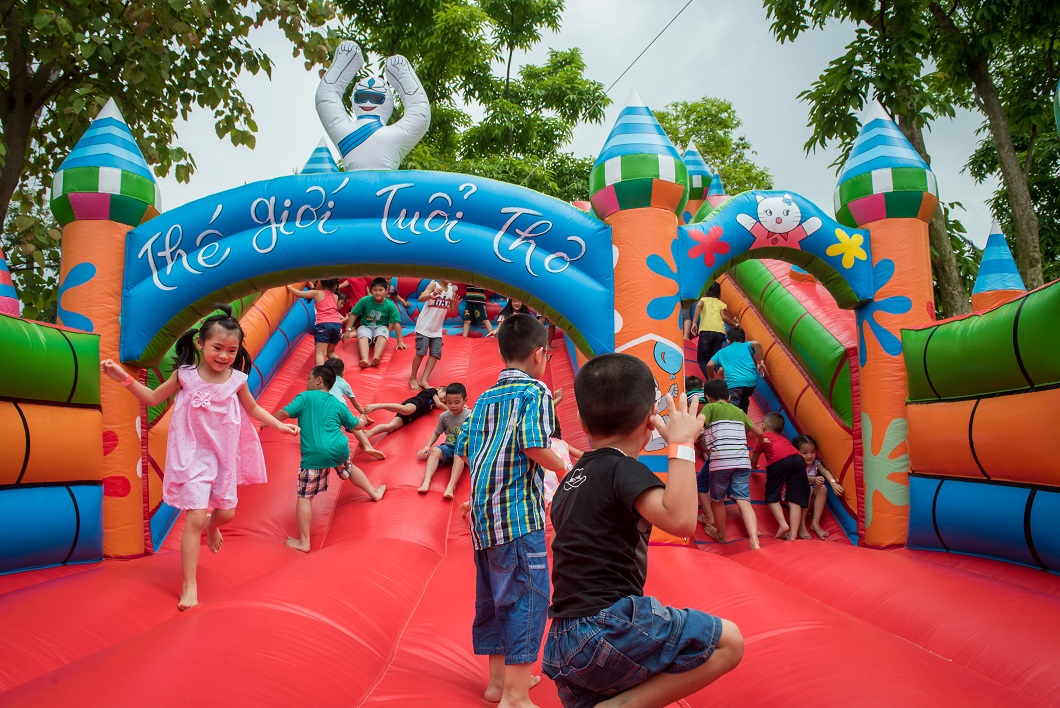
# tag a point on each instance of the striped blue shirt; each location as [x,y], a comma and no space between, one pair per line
[507,487]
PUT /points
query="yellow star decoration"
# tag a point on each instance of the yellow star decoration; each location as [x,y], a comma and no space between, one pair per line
[849,247]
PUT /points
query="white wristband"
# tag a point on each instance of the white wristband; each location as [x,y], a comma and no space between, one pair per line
[682,452]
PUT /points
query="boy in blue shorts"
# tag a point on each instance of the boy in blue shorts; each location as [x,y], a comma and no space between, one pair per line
[507,443]
[730,462]
[449,424]
[609,645]
[740,364]
[324,448]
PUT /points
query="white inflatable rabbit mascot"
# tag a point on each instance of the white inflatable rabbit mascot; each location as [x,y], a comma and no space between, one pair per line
[365,141]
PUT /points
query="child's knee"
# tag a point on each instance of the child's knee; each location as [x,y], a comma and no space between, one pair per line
[731,643]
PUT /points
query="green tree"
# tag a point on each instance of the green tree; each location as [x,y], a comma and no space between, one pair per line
[62,59]
[712,124]
[885,61]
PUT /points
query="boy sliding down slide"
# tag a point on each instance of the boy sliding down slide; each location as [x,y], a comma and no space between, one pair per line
[609,645]
[407,411]
[449,424]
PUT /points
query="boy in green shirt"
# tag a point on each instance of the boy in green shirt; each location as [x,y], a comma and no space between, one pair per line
[377,313]
[324,446]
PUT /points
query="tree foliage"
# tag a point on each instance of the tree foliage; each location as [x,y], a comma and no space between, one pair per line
[529,113]
[712,124]
[61,61]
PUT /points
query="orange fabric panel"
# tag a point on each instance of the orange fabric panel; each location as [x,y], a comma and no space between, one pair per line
[101,244]
[64,444]
[938,439]
[263,317]
[982,302]
[1007,432]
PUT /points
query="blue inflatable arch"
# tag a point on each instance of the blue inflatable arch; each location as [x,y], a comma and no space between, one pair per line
[426,224]
[780,225]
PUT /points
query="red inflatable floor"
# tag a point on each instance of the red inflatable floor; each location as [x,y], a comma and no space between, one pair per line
[379,613]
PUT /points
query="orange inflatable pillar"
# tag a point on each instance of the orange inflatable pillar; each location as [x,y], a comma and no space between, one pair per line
[638,186]
[102,190]
[888,189]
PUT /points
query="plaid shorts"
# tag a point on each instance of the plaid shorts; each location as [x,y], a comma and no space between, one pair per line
[313,482]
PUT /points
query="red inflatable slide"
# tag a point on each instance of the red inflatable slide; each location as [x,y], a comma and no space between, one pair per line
[379,613]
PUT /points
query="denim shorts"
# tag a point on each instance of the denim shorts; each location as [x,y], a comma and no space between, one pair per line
[449,452]
[327,332]
[703,478]
[511,599]
[593,658]
[735,484]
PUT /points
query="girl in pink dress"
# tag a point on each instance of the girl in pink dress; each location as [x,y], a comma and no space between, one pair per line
[212,445]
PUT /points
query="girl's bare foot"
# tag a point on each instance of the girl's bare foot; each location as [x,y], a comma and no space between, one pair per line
[414,384]
[782,532]
[423,488]
[375,361]
[363,364]
[213,535]
[373,452]
[189,597]
[819,531]
[379,491]
[447,494]
[297,544]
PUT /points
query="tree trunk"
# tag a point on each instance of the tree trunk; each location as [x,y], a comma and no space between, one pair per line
[953,296]
[1024,220]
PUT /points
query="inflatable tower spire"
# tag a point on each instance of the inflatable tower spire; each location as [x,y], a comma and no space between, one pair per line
[103,189]
[999,279]
[320,161]
[886,187]
[699,179]
[638,186]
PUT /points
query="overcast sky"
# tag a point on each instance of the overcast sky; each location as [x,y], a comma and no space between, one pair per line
[719,48]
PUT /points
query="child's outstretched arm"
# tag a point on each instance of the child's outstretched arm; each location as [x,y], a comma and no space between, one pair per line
[545,457]
[307,294]
[426,449]
[674,508]
[729,319]
[695,318]
[261,415]
[146,395]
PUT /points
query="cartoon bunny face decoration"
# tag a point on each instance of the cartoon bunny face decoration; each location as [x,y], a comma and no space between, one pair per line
[373,97]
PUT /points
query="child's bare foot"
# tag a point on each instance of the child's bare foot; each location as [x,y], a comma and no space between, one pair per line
[782,532]
[754,544]
[363,364]
[375,361]
[423,488]
[465,508]
[376,453]
[189,597]
[297,544]
[448,493]
[804,537]
[714,533]
[414,384]
[371,408]
[423,383]
[705,520]
[819,531]
[495,692]
[379,491]
[213,535]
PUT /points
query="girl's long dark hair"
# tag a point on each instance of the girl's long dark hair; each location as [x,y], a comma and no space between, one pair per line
[509,310]
[188,355]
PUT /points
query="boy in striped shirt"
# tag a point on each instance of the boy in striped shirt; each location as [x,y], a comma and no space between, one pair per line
[507,444]
[730,463]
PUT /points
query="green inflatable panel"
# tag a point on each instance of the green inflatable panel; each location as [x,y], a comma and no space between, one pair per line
[819,353]
[42,363]
[1011,348]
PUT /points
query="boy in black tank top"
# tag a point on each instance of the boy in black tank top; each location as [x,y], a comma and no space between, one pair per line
[608,641]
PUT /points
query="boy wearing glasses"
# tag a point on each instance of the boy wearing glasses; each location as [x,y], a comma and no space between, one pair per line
[507,444]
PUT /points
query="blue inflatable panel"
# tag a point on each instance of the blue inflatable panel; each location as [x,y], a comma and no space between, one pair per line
[1045,511]
[161,522]
[299,320]
[984,519]
[42,526]
[921,525]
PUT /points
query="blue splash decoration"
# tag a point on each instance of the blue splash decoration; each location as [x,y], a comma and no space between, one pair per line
[866,314]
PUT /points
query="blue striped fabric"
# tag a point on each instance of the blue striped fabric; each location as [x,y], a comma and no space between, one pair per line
[507,487]
[365,129]
[881,144]
[997,270]
[320,162]
[636,132]
[108,143]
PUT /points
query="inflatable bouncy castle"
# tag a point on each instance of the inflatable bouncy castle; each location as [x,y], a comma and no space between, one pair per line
[935,586]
